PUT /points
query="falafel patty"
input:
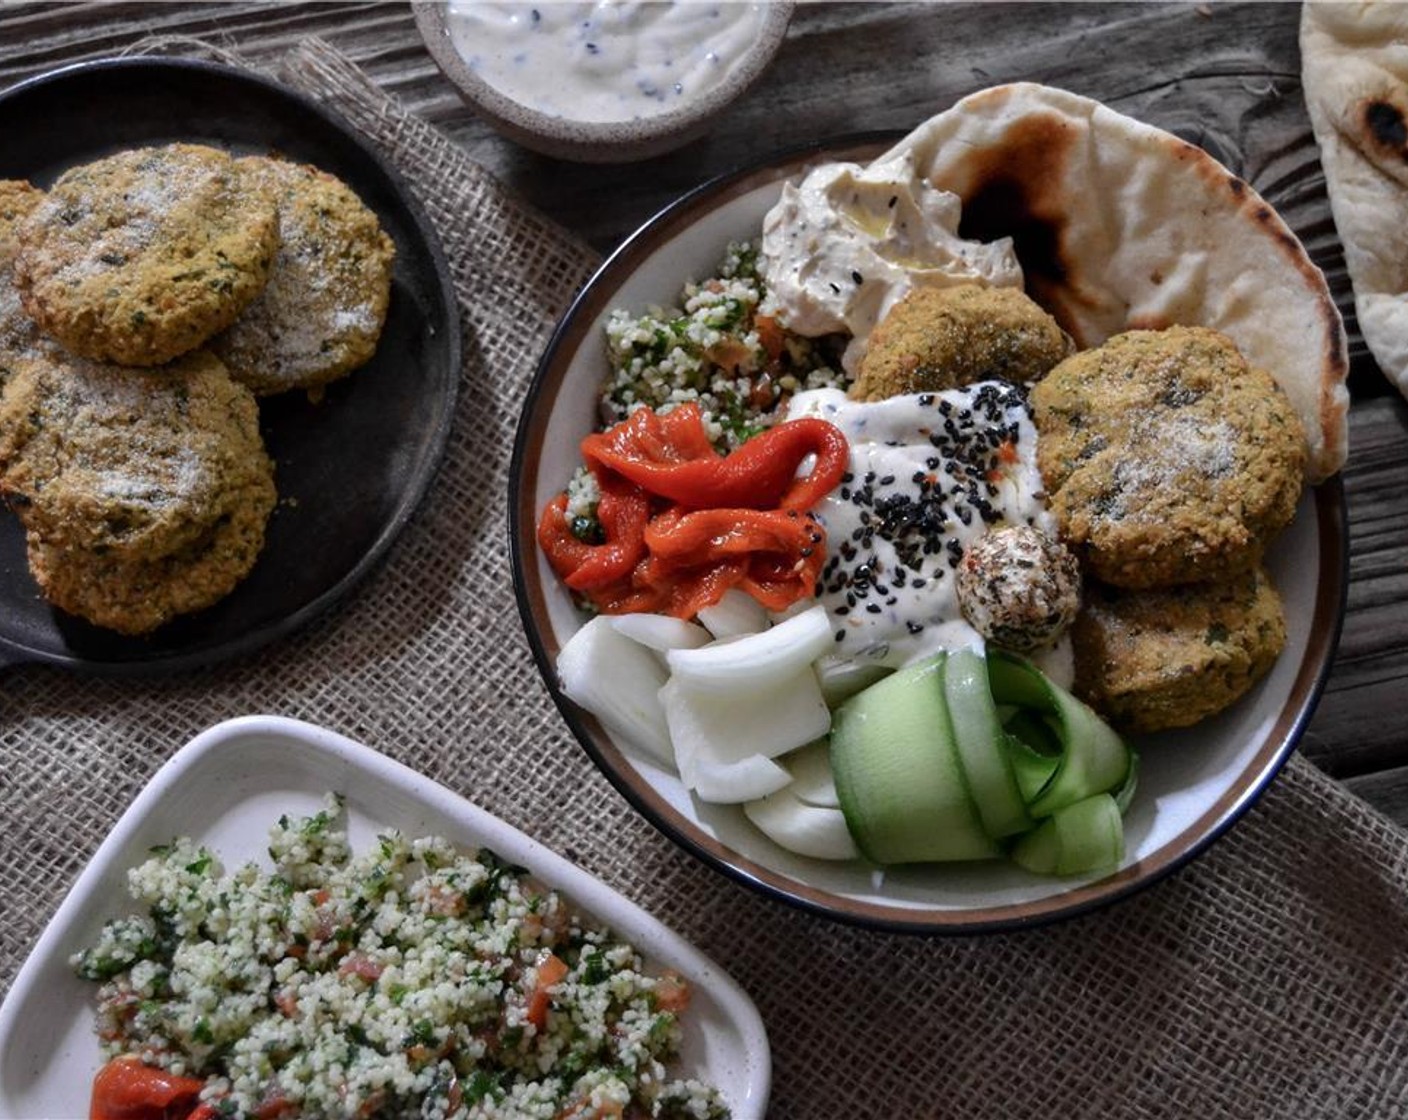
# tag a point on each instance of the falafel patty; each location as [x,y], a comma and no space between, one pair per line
[136,596]
[1168,459]
[132,463]
[325,304]
[943,338]
[1151,660]
[141,256]
[19,337]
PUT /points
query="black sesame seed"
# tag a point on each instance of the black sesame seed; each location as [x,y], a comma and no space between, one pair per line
[874,608]
[914,627]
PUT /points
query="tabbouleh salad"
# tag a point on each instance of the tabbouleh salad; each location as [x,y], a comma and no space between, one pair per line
[410,981]
[715,348]
[719,348]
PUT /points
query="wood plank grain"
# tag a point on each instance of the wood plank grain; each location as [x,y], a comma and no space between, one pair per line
[1358,727]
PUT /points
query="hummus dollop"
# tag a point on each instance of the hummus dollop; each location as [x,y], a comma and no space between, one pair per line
[848,242]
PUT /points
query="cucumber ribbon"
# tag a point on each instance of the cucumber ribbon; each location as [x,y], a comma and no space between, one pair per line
[961,757]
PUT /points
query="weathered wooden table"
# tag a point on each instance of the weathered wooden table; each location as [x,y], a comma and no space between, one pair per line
[1223,75]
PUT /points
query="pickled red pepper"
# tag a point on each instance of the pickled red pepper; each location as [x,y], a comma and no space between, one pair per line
[683,524]
[127,1089]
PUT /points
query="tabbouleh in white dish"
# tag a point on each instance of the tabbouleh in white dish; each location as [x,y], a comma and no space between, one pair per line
[410,981]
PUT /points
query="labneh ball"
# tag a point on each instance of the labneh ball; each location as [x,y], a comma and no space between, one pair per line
[1018,587]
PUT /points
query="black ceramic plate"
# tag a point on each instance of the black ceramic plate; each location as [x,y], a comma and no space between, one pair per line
[351,469]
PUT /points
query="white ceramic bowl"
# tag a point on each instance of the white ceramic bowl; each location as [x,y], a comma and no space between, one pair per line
[1193,784]
[607,141]
[225,788]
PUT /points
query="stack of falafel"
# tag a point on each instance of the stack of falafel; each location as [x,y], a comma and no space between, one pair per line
[145,301]
[1169,463]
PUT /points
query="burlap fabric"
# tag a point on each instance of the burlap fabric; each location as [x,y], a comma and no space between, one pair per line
[1270,979]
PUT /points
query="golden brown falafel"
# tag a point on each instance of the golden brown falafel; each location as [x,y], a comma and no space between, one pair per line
[136,596]
[143,255]
[1150,660]
[19,337]
[942,338]
[1169,460]
[322,311]
[132,463]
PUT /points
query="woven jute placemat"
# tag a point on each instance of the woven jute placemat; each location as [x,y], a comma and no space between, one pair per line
[1270,978]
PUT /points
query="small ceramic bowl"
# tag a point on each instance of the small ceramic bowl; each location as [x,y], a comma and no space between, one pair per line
[601,141]
[1194,784]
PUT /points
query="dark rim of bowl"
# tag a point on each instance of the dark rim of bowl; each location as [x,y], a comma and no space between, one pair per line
[503,109]
[1332,536]
[415,493]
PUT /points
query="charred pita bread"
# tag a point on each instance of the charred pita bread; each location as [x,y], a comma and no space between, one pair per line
[1121,226]
[1354,60]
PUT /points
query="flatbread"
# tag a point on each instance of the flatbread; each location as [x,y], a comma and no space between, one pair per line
[1354,60]
[1120,226]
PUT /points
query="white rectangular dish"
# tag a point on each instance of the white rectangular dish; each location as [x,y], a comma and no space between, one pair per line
[224,789]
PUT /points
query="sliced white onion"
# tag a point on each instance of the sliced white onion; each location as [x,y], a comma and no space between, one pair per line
[736,614]
[707,727]
[812,783]
[758,661]
[727,783]
[618,681]
[660,631]
[808,830]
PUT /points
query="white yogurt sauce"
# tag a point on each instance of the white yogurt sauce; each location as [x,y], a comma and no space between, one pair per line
[603,61]
[928,473]
[849,242]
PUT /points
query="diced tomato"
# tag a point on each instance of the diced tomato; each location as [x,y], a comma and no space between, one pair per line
[359,964]
[550,972]
[672,993]
[769,335]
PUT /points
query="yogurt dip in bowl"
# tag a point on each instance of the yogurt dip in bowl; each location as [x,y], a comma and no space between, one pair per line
[603,80]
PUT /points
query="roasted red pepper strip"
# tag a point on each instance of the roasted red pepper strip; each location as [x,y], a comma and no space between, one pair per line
[653,452]
[126,1089]
[623,511]
[666,553]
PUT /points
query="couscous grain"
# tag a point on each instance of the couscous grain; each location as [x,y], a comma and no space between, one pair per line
[412,981]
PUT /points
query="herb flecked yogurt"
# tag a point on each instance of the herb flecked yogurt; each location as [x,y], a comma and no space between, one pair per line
[928,474]
[605,61]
